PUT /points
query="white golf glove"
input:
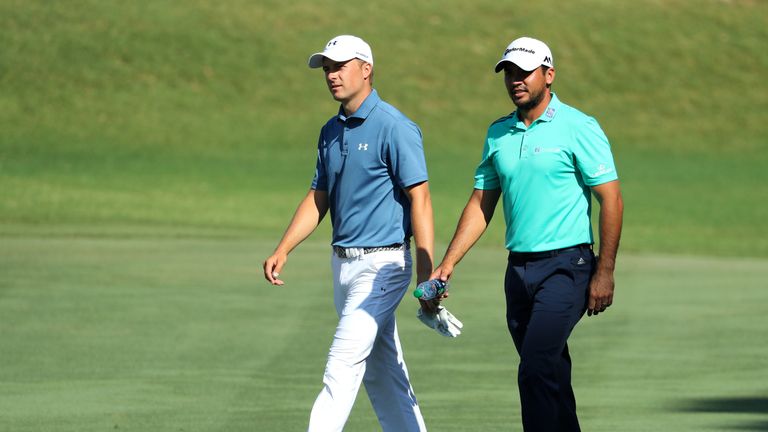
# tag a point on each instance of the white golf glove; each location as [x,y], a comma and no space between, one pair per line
[443,321]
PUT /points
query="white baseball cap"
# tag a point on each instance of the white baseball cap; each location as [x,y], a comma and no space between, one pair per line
[527,53]
[343,48]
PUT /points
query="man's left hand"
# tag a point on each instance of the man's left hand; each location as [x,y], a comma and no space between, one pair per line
[600,292]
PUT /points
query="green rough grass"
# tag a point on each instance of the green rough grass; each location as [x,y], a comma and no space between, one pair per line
[111,333]
[203,115]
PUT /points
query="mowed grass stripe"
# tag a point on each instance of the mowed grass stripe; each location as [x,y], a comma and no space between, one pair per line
[175,333]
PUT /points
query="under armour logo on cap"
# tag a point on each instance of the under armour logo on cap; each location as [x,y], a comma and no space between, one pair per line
[343,48]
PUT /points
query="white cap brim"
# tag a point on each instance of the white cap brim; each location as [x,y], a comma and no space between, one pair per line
[316,59]
[526,64]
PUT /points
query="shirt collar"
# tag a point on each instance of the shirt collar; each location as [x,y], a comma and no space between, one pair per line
[365,108]
[547,115]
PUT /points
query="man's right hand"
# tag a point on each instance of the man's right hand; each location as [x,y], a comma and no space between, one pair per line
[272,267]
[442,272]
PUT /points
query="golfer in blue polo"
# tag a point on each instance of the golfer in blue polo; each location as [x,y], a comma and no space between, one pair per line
[371,175]
[545,161]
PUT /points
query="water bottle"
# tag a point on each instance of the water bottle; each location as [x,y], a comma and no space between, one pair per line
[430,289]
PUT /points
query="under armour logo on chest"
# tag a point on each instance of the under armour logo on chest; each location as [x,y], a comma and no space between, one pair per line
[362,146]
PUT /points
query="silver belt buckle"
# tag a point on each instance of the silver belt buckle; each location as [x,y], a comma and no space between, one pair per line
[343,252]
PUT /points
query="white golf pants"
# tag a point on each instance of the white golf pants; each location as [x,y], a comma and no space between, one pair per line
[366,347]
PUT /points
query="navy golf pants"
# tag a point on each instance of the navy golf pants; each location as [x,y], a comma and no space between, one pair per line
[546,296]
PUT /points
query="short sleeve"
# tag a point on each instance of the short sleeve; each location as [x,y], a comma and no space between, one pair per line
[320,181]
[592,153]
[486,177]
[406,154]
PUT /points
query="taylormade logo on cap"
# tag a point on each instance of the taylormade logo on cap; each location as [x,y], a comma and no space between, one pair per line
[527,53]
[343,48]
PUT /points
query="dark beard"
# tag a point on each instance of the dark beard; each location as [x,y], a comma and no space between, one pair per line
[532,103]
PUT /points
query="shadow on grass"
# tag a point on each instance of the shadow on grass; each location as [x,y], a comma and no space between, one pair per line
[737,405]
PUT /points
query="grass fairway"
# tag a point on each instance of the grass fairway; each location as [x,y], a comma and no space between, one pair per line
[179,335]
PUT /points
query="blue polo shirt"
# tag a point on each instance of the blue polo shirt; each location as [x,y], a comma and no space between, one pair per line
[364,161]
[545,172]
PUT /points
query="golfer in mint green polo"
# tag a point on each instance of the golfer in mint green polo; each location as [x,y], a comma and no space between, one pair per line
[545,161]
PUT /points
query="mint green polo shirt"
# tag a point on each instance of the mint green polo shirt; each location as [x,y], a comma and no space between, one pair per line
[545,172]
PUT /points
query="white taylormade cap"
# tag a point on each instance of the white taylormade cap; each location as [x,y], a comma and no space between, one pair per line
[343,48]
[527,53]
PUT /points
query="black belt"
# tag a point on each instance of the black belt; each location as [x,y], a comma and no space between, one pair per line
[343,252]
[529,256]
